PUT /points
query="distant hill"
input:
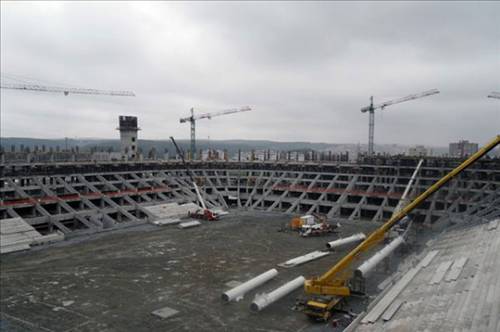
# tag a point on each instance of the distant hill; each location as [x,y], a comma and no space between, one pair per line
[231,145]
[160,145]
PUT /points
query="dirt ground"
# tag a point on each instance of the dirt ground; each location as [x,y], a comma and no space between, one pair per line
[113,281]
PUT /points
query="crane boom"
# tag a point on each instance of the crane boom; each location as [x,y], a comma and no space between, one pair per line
[335,281]
[181,154]
[66,91]
[495,95]
[209,215]
[190,174]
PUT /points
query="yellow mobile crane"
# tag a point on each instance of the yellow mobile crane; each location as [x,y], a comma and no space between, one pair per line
[331,288]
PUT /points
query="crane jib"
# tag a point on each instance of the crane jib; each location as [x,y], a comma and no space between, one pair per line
[66,91]
[399,100]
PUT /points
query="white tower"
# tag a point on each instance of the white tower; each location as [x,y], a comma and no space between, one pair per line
[128,136]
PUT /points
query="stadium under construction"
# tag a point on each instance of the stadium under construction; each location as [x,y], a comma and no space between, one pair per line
[270,212]
[102,246]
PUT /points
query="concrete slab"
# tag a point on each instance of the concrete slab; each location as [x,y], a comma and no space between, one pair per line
[165,312]
[429,257]
[189,224]
[172,210]
[304,259]
[14,225]
[374,314]
[167,221]
[440,272]
[13,248]
[16,235]
[456,269]
[392,309]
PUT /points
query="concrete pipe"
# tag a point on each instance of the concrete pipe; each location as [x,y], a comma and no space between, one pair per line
[368,266]
[237,292]
[262,301]
[346,240]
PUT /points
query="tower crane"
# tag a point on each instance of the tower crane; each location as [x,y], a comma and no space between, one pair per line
[65,90]
[371,110]
[495,95]
[333,286]
[192,119]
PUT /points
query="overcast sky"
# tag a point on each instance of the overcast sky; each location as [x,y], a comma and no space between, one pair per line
[306,69]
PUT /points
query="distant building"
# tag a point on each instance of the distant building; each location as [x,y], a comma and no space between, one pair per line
[128,137]
[418,151]
[463,148]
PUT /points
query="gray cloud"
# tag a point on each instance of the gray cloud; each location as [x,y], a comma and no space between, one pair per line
[305,68]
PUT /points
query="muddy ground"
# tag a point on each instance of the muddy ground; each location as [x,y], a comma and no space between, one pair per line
[112,282]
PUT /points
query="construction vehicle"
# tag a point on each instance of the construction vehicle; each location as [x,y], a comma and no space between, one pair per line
[192,120]
[329,291]
[297,223]
[204,213]
[371,110]
[312,225]
[319,229]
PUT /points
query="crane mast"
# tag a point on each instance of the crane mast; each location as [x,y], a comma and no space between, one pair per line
[192,120]
[334,283]
[371,110]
